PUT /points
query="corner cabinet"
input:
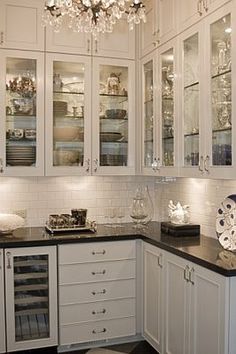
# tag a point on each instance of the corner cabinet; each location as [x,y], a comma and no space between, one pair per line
[22,113]
[208,96]
[2,306]
[89,128]
[31,297]
[21,24]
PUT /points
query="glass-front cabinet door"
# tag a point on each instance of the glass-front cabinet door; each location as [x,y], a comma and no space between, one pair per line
[2,306]
[31,293]
[167,110]
[22,118]
[190,142]
[113,128]
[68,115]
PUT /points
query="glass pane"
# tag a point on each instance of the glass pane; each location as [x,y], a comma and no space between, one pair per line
[31,297]
[167,66]
[148,114]
[221,91]
[68,114]
[191,101]
[21,90]
[113,115]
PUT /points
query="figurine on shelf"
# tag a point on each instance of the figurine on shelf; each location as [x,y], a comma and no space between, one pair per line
[178,214]
[113,84]
[57,82]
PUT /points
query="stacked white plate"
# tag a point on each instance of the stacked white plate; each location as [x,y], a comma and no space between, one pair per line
[20,155]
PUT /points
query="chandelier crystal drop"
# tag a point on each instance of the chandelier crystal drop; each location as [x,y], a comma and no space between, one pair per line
[92,16]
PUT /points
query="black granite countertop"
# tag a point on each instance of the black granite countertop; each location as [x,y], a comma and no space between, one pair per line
[204,251]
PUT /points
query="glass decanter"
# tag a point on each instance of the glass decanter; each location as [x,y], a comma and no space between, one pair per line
[142,207]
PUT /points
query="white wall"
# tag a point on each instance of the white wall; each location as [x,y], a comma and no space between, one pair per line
[42,196]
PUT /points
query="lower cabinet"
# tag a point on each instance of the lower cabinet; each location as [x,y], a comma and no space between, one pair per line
[186,306]
[152,297]
[97,291]
[31,297]
[2,307]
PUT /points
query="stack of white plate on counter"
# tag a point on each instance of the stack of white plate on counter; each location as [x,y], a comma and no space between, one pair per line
[20,155]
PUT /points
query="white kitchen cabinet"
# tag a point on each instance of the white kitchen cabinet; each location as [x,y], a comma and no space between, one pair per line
[2,306]
[97,291]
[153,296]
[196,308]
[193,11]
[31,297]
[22,113]
[69,42]
[21,24]
[149,31]
[85,139]
[207,90]
[167,20]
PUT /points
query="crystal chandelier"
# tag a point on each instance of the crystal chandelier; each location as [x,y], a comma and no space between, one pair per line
[92,16]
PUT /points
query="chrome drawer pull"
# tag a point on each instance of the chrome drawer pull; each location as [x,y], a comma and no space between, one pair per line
[8,260]
[99,273]
[99,292]
[95,253]
[186,273]
[0,260]
[103,311]
[191,274]
[101,331]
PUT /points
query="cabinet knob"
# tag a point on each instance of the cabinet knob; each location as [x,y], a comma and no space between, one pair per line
[206,164]
[200,166]
[1,165]
[199,7]
[156,165]
[1,38]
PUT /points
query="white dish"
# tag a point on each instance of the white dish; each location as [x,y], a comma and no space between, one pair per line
[226,223]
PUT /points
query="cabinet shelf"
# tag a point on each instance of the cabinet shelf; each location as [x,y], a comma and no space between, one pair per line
[191,85]
[30,300]
[113,96]
[26,276]
[68,93]
[31,287]
[21,115]
[30,263]
[168,138]
[221,74]
[224,130]
[191,134]
[31,312]
[148,101]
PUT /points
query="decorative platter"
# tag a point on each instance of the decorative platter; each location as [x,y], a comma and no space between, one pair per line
[226,223]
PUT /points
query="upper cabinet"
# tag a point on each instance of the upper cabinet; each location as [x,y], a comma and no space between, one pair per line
[207,97]
[118,44]
[192,11]
[89,129]
[160,25]
[21,24]
[22,113]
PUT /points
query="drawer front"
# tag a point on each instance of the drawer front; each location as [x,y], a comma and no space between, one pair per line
[74,294]
[93,272]
[99,330]
[96,251]
[102,310]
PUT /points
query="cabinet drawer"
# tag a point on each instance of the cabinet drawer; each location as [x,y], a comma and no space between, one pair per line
[101,310]
[96,251]
[81,293]
[97,330]
[93,272]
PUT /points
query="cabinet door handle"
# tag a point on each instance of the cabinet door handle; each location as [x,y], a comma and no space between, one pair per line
[1,165]
[200,166]
[99,252]
[156,164]
[96,45]
[99,292]
[99,331]
[205,5]
[8,260]
[88,45]
[199,7]
[95,165]
[1,38]
[101,312]
[186,273]
[191,272]
[99,273]
[206,163]
[160,263]
[0,260]
[87,163]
